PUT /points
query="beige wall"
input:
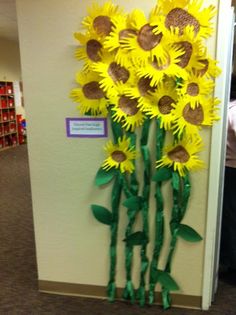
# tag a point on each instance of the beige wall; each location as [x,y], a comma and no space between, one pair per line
[9,60]
[71,245]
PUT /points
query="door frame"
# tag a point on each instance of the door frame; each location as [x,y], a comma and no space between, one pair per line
[224,48]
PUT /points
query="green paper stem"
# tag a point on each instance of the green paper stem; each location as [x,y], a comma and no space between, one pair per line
[159,217]
[181,192]
[116,128]
[115,203]
[144,211]
[129,293]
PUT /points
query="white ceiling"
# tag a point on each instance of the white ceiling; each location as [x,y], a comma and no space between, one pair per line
[8,21]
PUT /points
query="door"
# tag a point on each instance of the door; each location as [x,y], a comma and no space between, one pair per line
[225,32]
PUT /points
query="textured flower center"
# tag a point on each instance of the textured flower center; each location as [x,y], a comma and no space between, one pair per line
[180,18]
[194,116]
[179,154]
[144,86]
[205,62]
[118,73]
[128,105]
[188,50]
[126,33]
[193,89]
[102,25]
[93,91]
[164,104]
[146,39]
[93,49]
[118,156]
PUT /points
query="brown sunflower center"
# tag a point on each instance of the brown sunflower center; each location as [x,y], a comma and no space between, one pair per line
[93,91]
[102,25]
[93,48]
[188,50]
[146,39]
[164,104]
[205,63]
[126,33]
[179,154]
[118,156]
[128,105]
[193,89]
[118,73]
[180,18]
[194,116]
[144,86]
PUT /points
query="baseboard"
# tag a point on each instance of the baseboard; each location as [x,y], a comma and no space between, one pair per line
[95,291]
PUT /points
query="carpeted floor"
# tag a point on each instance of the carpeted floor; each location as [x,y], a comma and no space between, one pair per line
[18,271]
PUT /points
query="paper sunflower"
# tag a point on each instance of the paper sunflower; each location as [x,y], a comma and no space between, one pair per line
[195,88]
[182,156]
[145,44]
[140,89]
[112,74]
[209,69]
[157,72]
[182,14]
[125,110]
[191,45]
[120,156]
[161,105]
[91,48]
[99,18]
[89,95]
[121,29]
[189,120]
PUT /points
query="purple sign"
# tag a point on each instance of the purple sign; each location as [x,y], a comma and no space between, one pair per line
[86,127]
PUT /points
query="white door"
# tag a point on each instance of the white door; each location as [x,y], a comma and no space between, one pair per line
[224,50]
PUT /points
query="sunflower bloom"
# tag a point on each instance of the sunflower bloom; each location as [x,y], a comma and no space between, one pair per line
[99,19]
[170,68]
[112,74]
[182,156]
[209,68]
[90,49]
[180,14]
[196,89]
[143,44]
[190,120]
[161,105]
[126,110]
[193,48]
[114,42]
[120,156]
[89,95]
[140,89]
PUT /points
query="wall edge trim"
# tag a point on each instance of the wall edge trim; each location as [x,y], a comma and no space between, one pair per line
[97,291]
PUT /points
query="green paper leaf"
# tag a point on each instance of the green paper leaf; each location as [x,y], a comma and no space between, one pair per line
[104,177]
[162,174]
[165,279]
[188,233]
[102,214]
[134,203]
[137,238]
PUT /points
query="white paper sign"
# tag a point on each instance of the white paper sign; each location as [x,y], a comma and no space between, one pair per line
[86,127]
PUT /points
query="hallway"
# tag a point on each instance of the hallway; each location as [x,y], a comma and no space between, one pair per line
[18,271]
